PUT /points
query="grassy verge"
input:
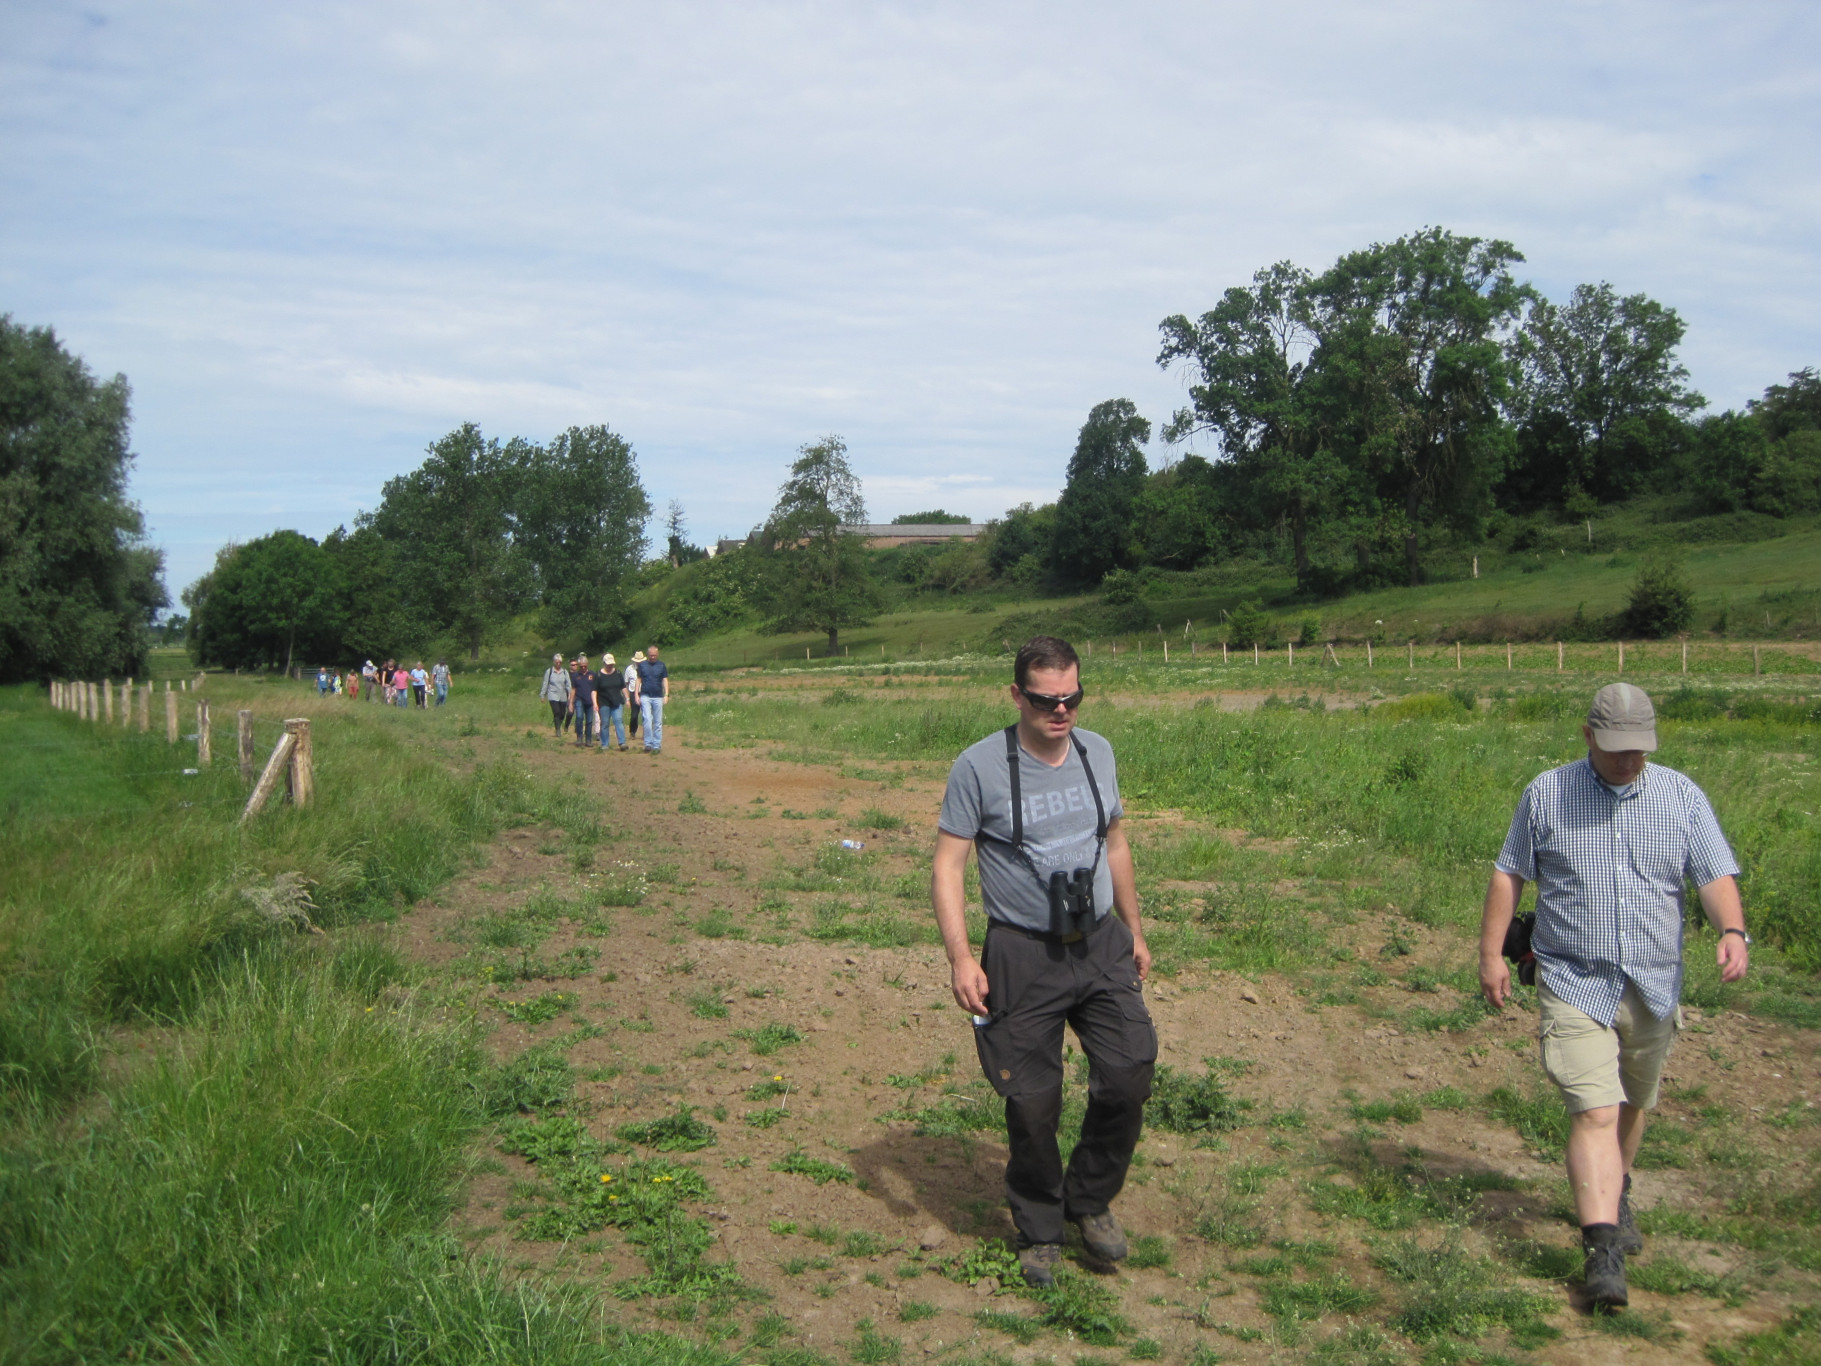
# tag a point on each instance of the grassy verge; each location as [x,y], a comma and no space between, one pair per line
[224,1137]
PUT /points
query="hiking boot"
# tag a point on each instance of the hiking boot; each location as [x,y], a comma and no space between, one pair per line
[1604,1266]
[1102,1236]
[1631,1238]
[1038,1263]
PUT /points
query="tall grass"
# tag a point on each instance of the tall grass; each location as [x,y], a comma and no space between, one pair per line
[262,1174]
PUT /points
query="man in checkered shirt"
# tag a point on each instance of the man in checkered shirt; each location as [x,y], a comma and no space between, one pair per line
[1611,843]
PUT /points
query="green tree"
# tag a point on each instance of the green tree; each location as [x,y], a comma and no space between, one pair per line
[375,611]
[1412,346]
[1183,513]
[1094,531]
[78,583]
[1252,386]
[263,601]
[818,576]
[1018,544]
[1792,407]
[1600,395]
[936,518]
[579,513]
[452,520]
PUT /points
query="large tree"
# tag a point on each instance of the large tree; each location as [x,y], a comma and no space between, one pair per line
[1253,387]
[453,519]
[267,602]
[1599,396]
[818,577]
[1413,352]
[1094,533]
[78,583]
[580,520]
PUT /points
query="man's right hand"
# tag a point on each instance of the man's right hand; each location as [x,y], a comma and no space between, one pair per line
[1495,982]
[968,980]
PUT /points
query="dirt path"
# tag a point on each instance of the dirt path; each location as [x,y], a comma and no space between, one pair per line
[698,945]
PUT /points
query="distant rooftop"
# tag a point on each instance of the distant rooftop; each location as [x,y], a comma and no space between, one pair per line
[894,533]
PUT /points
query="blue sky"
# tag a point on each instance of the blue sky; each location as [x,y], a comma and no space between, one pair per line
[317,237]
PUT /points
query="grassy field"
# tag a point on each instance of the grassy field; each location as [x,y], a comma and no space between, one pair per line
[228,1138]
[1766,590]
[225,1137]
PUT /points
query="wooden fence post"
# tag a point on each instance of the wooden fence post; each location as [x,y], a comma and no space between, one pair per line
[1507,656]
[246,746]
[1290,647]
[1558,656]
[1621,656]
[278,765]
[1333,658]
[1756,667]
[126,703]
[1368,654]
[1255,652]
[1457,656]
[145,708]
[170,714]
[1413,654]
[203,754]
[107,700]
[1684,654]
[300,778]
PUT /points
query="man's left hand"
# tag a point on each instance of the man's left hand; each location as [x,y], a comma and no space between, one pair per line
[1141,956]
[1733,956]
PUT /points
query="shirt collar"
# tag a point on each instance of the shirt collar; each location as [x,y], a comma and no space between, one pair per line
[1632,789]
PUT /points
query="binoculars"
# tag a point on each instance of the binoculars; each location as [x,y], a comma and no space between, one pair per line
[1071,903]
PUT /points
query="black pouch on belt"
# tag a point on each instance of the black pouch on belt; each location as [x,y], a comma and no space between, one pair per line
[1517,946]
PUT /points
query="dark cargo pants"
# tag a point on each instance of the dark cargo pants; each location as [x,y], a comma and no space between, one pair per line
[1034,986]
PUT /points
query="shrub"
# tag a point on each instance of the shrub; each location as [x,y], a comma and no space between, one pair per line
[1249,624]
[1661,602]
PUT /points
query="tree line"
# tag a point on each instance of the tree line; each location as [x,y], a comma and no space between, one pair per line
[1412,398]
[482,532]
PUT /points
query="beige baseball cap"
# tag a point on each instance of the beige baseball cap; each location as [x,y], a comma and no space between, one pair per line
[1622,718]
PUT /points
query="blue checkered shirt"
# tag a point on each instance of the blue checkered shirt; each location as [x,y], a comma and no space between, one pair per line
[1611,867]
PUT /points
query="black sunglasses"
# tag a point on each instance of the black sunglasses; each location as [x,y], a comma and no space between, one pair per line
[1046,702]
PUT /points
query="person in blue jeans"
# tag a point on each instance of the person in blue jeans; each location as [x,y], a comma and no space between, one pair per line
[610,700]
[440,677]
[581,701]
[654,692]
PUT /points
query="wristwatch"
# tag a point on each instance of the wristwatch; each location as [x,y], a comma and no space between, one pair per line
[1741,933]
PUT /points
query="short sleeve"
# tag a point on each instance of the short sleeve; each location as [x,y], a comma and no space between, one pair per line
[961,802]
[1709,855]
[1518,857]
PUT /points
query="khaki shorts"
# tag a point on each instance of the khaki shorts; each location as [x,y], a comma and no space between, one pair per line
[1595,1066]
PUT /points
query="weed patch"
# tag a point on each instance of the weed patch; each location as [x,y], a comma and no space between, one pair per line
[679,1132]
[769,1038]
[800,1163]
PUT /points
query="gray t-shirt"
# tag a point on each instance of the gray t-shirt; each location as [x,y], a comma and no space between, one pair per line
[1058,823]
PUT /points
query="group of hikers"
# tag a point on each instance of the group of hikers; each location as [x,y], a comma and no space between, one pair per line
[587,701]
[392,682]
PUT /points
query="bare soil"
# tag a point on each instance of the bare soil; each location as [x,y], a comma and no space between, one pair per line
[869,1013]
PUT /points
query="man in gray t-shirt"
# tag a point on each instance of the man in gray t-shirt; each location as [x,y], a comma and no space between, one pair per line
[1063,945]
[1060,820]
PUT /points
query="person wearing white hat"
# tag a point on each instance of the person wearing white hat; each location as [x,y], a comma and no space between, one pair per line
[1611,842]
[610,694]
[632,691]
